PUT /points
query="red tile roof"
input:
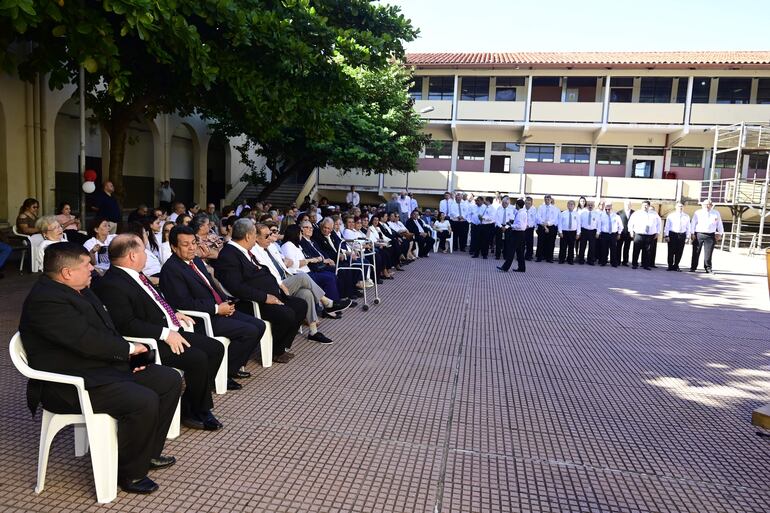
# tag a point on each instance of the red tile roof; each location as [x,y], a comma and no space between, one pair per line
[589,59]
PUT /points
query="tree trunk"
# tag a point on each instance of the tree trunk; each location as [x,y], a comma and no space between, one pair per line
[290,170]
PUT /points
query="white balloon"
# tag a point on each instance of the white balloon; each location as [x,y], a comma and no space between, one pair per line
[89,187]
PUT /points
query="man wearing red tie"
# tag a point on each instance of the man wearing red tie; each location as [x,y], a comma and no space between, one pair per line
[187,285]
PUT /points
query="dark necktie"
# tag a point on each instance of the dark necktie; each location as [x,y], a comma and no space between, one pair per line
[197,271]
[159,299]
[278,266]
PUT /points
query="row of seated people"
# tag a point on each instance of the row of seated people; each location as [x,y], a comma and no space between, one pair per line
[74,318]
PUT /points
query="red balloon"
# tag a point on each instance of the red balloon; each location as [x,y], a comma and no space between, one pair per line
[89,175]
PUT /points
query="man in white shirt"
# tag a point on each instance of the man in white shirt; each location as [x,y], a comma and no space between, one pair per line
[503,220]
[624,247]
[676,231]
[609,227]
[460,238]
[514,239]
[179,209]
[529,234]
[706,229]
[657,229]
[404,206]
[352,198]
[484,228]
[547,217]
[569,232]
[642,226]
[412,203]
[589,220]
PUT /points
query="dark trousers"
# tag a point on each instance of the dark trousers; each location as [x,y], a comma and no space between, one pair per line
[425,244]
[460,235]
[474,249]
[653,249]
[346,283]
[676,243]
[608,248]
[200,363]
[567,246]
[486,231]
[442,238]
[328,282]
[703,242]
[625,245]
[244,332]
[499,241]
[546,243]
[529,243]
[642,245]
[587,239]
[144,406]
[514,248]
[284,320]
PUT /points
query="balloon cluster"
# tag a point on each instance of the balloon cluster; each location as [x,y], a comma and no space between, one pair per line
[90,177]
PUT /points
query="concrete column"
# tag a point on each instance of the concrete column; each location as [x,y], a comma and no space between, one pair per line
[487,155]
[592,162]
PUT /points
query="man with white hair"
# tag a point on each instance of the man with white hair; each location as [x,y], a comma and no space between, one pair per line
[676,231]
[609,229]
[705,230]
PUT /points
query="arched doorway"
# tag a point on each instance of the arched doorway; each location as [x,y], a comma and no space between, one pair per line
[217,167]
[182,156]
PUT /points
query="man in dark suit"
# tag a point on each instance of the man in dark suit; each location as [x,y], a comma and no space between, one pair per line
[65,329]
[238,271]
[421,233]
[187,285]
[624,244]
[138,310]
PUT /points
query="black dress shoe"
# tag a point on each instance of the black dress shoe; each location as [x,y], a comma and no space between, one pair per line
[233,385]
[648,269]
[141,485]
[320,337]
[634,266]
[338,306]
[161,462]
[242,374]
[499,268]
[211,423]
[474,256]
[624,264]
[380,281]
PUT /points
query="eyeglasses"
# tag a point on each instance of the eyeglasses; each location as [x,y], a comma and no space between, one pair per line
[273,231]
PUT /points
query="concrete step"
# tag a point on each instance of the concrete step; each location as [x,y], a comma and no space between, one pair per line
[280,198]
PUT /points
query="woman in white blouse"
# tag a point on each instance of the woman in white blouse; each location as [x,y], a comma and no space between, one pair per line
[443,230]
[98,244]
[52,233]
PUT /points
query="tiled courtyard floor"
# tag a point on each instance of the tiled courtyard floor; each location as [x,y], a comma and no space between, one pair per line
[565,389]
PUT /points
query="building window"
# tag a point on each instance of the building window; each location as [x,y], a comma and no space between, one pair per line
[763,90]
[439,150]
[539,153]
[686,158]
[467,150]
[505,146]
[575,154]
[415,90]
[681,90]
[474,89]
[611,155]
[648,152]
[701,87]
[621,89]
[734,90]
[758,161]
[655,90]
[441,88]
[505,88]
[726,160]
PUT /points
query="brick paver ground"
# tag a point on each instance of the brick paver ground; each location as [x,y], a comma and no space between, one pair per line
[565,389]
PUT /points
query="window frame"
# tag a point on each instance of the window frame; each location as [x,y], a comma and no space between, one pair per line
[655,89]
[730,99]
[606,159]
[476,91]
[465,152]
[508,147]
[685,157]
[440,153]
[575,154]
[415,88]
[441,95]
[535,152]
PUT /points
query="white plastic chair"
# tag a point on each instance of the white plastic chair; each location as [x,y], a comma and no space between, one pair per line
[175,429]
[449,241]
[33,243]
[98,431]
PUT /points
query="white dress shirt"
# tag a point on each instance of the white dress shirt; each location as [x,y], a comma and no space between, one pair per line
[169,321]
[609,223]
[532,216]
[353,197]
[404,204]
[260,254]
[589,219]
[644,223]
[677,222]
[485,214]
[547,215]
[519,219]
[102,259]
[704,221]
[465,209]
[504,214]
[294,253]
[442,226]
[569,221]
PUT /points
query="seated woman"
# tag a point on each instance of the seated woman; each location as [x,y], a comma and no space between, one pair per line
[165,247]
[313,266]
[98,244]
[209,244]
[384,242]
[152,265]
[443,230]
[382,257]
[397,245]
[183,220]
[70,224]
[52,233]
[395,224]
[25,221]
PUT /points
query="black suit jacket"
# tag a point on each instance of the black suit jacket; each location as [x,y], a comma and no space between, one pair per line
[327,249]
[411,225]
[184,289]
[67,332]
[242,278]
[132,309]
[624,218]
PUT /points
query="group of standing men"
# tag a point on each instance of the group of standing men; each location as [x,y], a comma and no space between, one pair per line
[586,235]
